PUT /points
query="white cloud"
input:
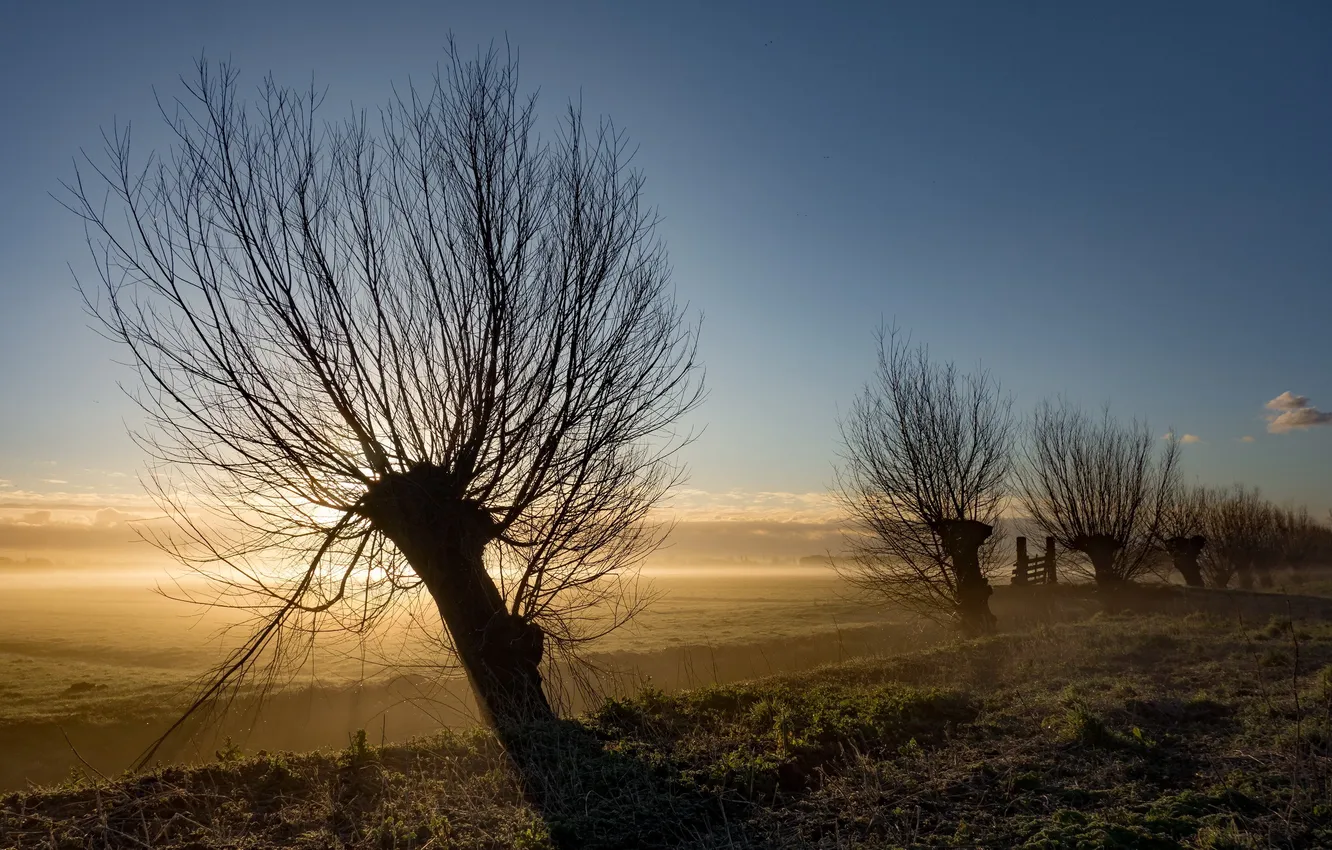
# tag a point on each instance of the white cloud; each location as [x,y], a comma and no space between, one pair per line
[1246,439]
[1296,414]
[54,481]
[1186,439]
[1288,401]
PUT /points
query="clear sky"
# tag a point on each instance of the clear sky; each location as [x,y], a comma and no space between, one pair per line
[1126,202]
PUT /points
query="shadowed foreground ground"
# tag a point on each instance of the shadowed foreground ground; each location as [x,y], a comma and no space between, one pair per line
[1135,730]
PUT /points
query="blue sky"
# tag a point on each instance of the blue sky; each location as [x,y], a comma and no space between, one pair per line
[1128,203]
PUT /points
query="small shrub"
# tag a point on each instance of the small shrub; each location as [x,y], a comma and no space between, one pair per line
[230,753]
[1275,658]
[1227,837]
[1079,724]
[1278,627]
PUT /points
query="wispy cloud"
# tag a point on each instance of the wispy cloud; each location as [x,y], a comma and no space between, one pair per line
[1186,439]
[704,542]
[689,505]
[99,524]
[1294,413]
[54,481]
[66,501]
[1246,439]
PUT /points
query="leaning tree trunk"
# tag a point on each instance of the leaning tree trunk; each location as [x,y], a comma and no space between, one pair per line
[962,540]
[1184,553]
[443,537]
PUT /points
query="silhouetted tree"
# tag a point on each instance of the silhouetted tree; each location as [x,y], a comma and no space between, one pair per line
[925,462]
[1098,487]
[1297,538]
[1182,531]
[1242,535]
[429,351]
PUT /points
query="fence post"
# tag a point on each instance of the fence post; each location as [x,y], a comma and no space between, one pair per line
[1050,577]
[1020,571]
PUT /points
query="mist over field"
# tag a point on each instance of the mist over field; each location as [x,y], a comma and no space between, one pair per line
[100,653]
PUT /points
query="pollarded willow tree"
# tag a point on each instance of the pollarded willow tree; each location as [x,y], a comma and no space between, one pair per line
[1098,487]
[926,456]
[1183,530]
[1242,526]
[432,351]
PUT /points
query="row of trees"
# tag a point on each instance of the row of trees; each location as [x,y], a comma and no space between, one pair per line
[1245,538]
[932,458]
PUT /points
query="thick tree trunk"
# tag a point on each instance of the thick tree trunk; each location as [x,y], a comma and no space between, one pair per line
[444,538]
[1101,550]
[962,540]
[1184,553]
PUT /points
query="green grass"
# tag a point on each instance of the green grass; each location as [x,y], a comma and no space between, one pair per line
[1125,731]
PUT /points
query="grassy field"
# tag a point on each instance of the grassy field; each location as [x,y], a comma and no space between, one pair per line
[1192,720]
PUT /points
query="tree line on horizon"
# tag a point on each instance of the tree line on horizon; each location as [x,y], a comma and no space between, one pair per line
[932,456]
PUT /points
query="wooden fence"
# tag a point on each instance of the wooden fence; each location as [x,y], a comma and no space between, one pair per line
[1037,570]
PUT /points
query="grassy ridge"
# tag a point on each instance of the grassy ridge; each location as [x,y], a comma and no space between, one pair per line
[1125,731]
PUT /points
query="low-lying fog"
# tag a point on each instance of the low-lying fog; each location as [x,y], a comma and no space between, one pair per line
[98,655]
[102,626]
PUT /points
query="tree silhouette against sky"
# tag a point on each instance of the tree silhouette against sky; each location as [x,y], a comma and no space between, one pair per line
[1099,487]
[422,348]
[926,457]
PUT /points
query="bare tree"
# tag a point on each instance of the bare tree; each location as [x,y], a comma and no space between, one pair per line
[430,351]
[1297,536]
[1098,487]
[1182,531]
[925,462]
[1243,531]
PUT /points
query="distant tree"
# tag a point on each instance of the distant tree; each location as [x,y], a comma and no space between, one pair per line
[1182,533]
[1098,487]
[1298,538]
[926,455]
[1242,531]
[429,352]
